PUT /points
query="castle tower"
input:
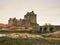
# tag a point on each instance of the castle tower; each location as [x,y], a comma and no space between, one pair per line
[31,16]
[12,22]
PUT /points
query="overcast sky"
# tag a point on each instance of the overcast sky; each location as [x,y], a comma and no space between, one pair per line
[48,11]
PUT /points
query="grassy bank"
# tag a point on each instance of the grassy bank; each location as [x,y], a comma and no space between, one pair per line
[27,41]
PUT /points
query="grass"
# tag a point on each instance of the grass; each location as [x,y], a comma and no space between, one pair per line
[21,41]
[27,41]
[55,39]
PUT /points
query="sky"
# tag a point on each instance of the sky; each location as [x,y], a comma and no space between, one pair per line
[48,11]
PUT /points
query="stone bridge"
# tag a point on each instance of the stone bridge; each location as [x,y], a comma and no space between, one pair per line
[44,29]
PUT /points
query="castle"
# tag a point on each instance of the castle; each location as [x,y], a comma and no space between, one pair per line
[29,18]
[28,23]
